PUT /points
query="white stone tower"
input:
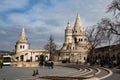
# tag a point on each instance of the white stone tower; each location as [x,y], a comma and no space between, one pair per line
[22,43]
[68,34]
[78,30]
[76,45]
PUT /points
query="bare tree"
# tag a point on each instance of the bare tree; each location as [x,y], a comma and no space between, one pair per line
[110,26]
[96,37]
[51,47]
[106,30]
[114,7]
[113,26]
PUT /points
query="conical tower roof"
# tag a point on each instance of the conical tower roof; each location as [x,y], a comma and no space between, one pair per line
[22,38]
[78,25]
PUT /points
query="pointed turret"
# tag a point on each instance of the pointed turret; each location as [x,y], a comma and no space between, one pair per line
[22,43]
[68,33]
[78,27]
[22,38]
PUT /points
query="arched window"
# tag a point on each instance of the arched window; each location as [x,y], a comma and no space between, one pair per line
[75,40]
[20,46]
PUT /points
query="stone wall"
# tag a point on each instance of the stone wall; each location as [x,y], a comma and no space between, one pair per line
[25,64]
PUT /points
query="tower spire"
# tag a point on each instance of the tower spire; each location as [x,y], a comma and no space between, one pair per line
[78,24]
[22,38]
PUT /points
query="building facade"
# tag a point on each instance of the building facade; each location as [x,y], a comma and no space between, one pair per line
[76,45]
[23,51]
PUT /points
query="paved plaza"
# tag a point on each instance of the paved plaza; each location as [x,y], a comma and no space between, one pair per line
[14,73]
[75,72]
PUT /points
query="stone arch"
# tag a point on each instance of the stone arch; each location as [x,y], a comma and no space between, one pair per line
[22,58]
[75,39]
[36,58]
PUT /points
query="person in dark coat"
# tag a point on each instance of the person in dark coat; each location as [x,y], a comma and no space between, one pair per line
[52,65]
[34,73]
[1,63]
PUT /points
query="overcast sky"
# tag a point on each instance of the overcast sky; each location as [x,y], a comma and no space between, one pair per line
[42,18]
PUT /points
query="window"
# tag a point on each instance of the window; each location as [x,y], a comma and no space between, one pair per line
[20,46]
[75,40]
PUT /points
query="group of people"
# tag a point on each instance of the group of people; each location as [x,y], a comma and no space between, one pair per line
[49,64]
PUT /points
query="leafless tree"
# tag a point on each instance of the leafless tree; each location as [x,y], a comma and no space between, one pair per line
[114,7]
[111,29]
[110,26]
[96,37]
[51,47]
[106,29]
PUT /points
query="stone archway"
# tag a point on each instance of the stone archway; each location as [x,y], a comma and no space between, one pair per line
[75,39]
[46,58]
[36,58]
[22,58]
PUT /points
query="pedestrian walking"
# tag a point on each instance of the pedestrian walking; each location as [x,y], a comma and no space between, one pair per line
[34,73]
[52,65]
[1,63]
